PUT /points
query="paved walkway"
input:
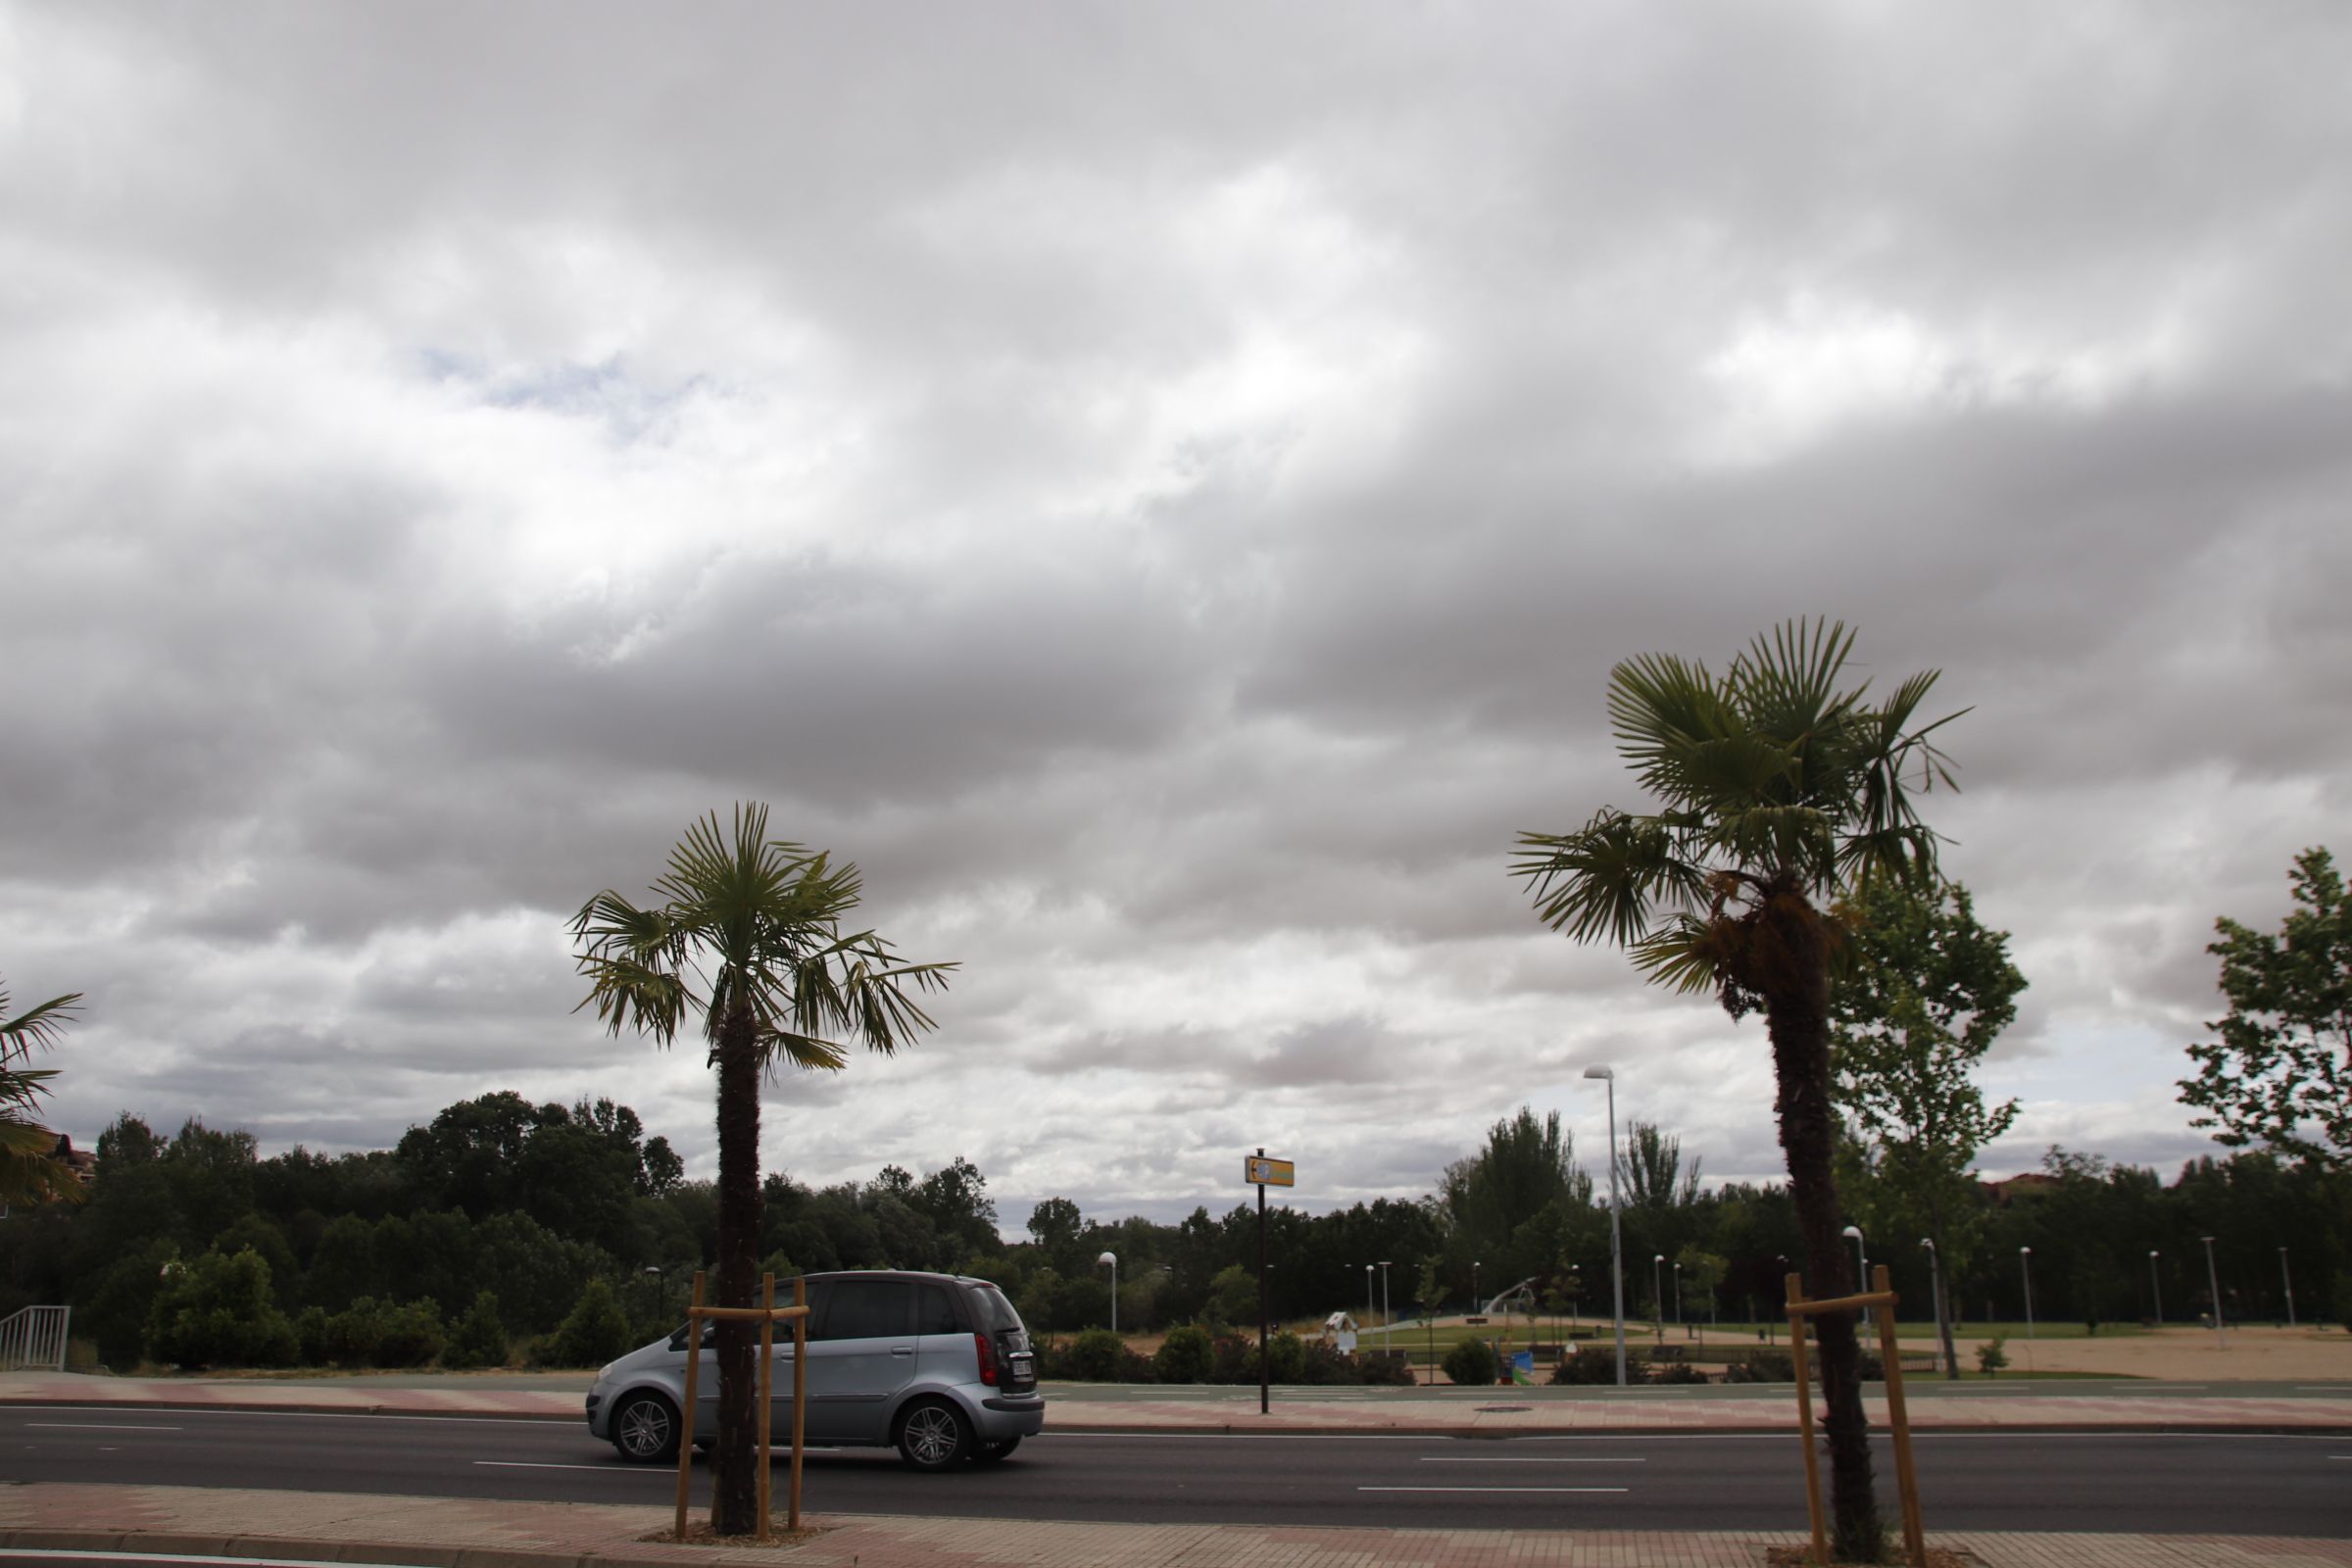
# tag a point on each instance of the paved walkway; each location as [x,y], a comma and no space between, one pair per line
[448,1532]
[1506,1412]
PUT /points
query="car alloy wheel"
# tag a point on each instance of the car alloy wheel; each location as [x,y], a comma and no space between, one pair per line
[645,1429]
[933,1436]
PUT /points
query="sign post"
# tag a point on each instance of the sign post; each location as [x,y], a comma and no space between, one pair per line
[1261,1172]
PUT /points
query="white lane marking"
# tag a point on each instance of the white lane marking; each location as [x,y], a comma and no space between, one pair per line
[1466,1459]
[606,1469]
[2170,1388]
[90,1426]
[2324,1388]
[1548,1490]
[325,1415]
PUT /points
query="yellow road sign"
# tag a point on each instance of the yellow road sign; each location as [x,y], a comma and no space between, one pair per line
[1259,1171]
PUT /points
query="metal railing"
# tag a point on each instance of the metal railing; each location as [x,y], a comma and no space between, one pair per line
[35,1338]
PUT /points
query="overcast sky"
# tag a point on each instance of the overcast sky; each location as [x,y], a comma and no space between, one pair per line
[1161,489]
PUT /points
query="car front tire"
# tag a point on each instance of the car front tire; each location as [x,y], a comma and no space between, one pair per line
[645,1429]
[934,1436]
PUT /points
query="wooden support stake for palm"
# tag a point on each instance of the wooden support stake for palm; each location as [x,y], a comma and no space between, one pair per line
[1915,1541]
[799,1392]
[1804,1415]
[693,1363]
[767,1374]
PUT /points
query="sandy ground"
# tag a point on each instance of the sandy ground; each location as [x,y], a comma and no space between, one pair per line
[2263,1354]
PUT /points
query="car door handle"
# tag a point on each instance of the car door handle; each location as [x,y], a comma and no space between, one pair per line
[902,1350]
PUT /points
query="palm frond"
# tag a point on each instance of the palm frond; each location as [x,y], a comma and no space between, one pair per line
[1606,879]
[36,1026]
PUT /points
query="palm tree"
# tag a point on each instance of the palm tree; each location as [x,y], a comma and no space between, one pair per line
[748,933]
[1779,792]
[27,1173]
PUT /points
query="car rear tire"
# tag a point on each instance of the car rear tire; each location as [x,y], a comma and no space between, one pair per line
[934,1436]
[991,1452]
[645,1429]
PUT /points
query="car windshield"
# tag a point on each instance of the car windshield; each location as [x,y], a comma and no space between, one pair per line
[995,1312]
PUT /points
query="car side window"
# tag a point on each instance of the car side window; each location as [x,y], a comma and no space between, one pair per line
[934,1312]
[866,1310]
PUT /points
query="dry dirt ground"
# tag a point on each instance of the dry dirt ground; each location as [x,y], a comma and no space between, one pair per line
[2253,1354]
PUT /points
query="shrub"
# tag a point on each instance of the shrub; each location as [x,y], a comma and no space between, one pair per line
[1762,1366]
[1677,1372]
[1588,1364]
[1385,1367]
[1993,1355]
[413,1334]
[310,1336]
[1185,1356]
[353,1333]
[1285,1358]
[219,1312]
[480,1339]
[1472,1362]
[597,1331]
[1095,1355]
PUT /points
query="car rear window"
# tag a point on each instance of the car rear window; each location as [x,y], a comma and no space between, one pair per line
[867,1309]
[994,1311]
[935,1312]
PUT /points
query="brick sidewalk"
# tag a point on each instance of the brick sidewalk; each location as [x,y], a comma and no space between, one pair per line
[451,1532]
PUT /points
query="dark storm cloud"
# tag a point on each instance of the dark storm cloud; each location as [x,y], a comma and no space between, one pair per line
[1163,493]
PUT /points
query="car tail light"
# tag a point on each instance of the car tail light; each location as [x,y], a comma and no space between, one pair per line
[988,1359]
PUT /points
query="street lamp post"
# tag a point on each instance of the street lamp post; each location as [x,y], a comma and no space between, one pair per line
[1474,1306]
[2156,1285]
[1112,1258]
[1657,1301]
[1780,1258]
[1677,1293]
[2025,1264]
[1854,1233]
[1367,1296]
[1936,1288]
[1387,1317]
[2213,1279]
[2287,1280]
[1608,1076]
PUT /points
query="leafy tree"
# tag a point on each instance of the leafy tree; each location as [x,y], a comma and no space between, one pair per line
[1056,1225]
[1493,1200]
[28,1172]
[1651,1169]
[217,1311]
[479,1339]
[596,1332]
[1780,791]
[1924,991]
[748,933]
[2281,1071]
[1472,1363]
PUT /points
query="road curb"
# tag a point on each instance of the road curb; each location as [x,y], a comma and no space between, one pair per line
[407,1554]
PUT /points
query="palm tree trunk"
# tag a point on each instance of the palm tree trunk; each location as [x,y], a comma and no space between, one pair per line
[1797,1014]
[735,1457]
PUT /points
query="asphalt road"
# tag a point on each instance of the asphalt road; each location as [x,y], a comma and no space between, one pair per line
[2188,1483]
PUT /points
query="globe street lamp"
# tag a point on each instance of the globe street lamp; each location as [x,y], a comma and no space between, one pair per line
[1113,1259]
[2156,1285]
[1936,1288]
[1657,1301]
[2289,1280]
[1854,1233]
[1476,1308]
[2024,1265]
[1616,1237]
[1367,1296]
[2213,1279]
[1677,1292]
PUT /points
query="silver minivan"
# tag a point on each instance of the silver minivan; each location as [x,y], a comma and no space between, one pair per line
[937,1365]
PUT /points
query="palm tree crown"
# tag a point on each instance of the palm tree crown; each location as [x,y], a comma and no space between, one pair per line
[1773,781]
[27,1173]
[751,924]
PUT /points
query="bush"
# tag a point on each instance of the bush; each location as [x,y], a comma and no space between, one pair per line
[1285,1358]
[1677,1372]
[1762,1366]
[1588,1364]
[1472,1362]
[1993,1355]
[310,1336]
[1096,1356]
[480,1339]
[1185,1356]
[413,1334]
[353,1333]
[1385,1367]
[597,1331]
[219,1312]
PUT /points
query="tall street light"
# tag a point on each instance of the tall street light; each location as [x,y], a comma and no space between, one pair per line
[1854,1233]
[1112,1258]
[1677,1292]
[1936,1288]
[1657,1301]
[2156,1285]
[2289,1280]
[1477,1308]
[2024,1265]
[1387,1317]
[1368,1296]
[2213,1278]
[1616,1236]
